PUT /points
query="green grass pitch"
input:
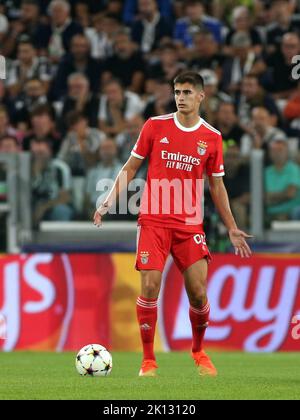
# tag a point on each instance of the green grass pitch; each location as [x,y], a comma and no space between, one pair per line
[241,376]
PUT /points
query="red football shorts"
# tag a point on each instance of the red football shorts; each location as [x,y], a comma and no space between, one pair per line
[154,244]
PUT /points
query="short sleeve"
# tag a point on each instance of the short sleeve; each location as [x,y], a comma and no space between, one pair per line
[215,163]
[144,143]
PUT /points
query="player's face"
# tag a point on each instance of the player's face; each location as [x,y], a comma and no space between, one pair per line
[188,98]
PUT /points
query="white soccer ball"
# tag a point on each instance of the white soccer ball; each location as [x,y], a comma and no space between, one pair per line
[93,360]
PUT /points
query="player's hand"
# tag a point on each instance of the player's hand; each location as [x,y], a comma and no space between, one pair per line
[99,213]
[238,240]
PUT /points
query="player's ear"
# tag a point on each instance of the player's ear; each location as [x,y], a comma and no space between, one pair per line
[201,95]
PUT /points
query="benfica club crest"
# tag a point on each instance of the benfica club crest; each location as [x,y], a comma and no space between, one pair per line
[144,257]
[202,147]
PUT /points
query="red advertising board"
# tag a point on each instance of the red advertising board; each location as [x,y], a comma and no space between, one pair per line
[63,302]
[55,302]
[253,302]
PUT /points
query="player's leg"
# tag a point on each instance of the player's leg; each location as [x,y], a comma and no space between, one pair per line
[195,278]
[153,248]
[191,255]
[147,318]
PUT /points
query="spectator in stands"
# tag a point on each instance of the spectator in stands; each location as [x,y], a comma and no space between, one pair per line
[51,185]
[101,35]
[81,14]
[116,107]
[5,100]
[205,53]
[80,147]
[284,21]
[162,102]
[61,29]
[42,120]
[126,64]
[9,144]
[28,24]
[278,67]
[227,124]
[282,184]
[223,9]
[27,66]
[168,65]
[80,98]
[4,31]
[150,27]
[5,125]
[130,10]
[240,64]
[263,15]
[254,95]
[237,182]
[195,19]
[114,8]
[34,94]
[242,24]
[178,9]
[261,131]
[108,168]
[79,60]
[292,109]
[213,96]
[93,7]
[127,139]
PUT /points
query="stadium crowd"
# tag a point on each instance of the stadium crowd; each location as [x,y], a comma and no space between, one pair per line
[83,76]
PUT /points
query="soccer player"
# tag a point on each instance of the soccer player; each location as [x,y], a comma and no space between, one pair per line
[182,149]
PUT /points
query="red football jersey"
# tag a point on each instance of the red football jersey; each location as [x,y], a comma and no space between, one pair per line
[179,158]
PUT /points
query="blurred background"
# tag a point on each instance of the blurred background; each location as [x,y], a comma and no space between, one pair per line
[82,77]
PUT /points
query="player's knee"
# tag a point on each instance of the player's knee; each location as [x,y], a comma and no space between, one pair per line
[150,287]
[151,290]
[198,297]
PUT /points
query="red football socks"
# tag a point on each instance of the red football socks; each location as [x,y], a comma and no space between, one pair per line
[147,317]
[199,320]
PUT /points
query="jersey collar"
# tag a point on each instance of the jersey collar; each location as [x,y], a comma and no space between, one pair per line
[188,129]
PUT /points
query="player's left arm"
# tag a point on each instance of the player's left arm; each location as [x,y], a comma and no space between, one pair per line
[220,198]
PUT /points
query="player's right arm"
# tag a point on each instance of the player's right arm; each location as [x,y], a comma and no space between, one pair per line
[141,150]
[124,177]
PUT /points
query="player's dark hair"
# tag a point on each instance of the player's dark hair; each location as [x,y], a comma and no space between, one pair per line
[191,77]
